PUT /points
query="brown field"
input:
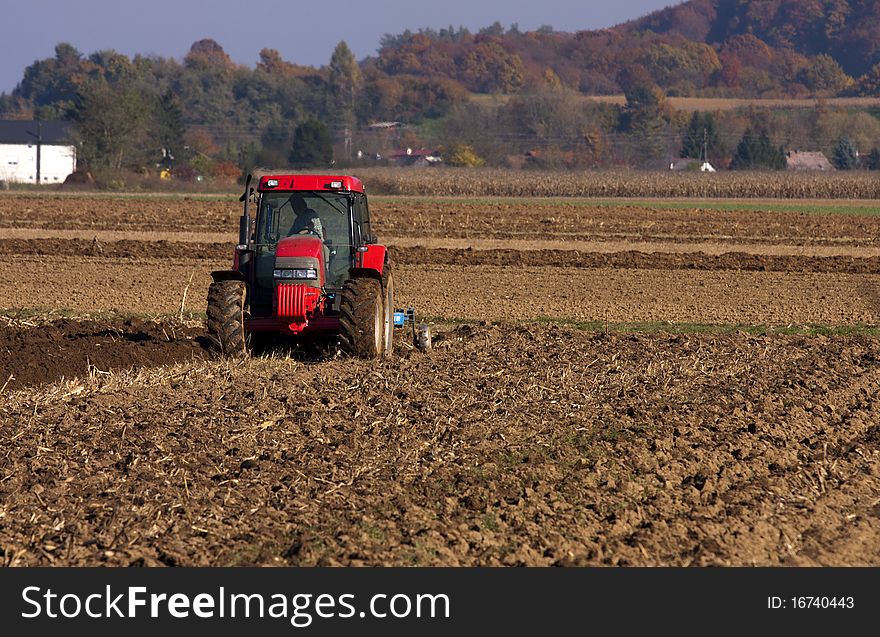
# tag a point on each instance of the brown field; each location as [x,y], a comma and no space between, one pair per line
[690,104]
[620,382]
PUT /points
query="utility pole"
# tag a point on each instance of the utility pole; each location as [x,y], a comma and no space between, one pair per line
[39,138]
[705,152]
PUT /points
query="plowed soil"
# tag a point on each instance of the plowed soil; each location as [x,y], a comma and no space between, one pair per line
[45,353]
[529,219]
[509,444]
[163,249]
[504,446]
[158,287]
[571,222]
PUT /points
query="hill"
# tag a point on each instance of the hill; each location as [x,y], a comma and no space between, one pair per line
[846,30]
[723,48]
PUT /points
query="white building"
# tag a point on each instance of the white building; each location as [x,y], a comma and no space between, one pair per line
[20,143]
[691,164]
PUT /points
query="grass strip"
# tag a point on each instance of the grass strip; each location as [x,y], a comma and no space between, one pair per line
[641,327]
[861,207]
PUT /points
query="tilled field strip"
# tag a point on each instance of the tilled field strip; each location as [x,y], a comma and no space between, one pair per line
[157,286]
[421,255]
[525,220]
[853,248]
[11,243]
[105,236]
[755,298]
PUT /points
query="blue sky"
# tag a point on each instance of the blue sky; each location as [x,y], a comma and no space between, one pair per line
[303,32]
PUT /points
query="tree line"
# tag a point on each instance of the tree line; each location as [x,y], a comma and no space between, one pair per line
[206,115]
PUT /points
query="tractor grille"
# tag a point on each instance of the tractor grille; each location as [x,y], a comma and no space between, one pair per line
[295,302]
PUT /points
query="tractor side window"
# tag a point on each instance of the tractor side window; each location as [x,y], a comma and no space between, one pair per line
[363,215]
[368,228]
[269,225]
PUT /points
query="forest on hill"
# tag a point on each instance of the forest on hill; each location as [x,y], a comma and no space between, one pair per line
[754,48]
[206,115]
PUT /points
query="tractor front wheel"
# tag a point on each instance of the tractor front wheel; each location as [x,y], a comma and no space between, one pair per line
[227,314]
[362,318]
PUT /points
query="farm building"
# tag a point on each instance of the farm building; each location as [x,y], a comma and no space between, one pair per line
[36,152]
[802,160]
[692,165]
[415,157]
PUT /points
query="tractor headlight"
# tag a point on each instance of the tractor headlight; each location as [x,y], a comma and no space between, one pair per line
[299,273]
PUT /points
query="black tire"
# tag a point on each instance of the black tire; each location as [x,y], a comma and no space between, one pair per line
[361,318]
[388,307]
[227,317]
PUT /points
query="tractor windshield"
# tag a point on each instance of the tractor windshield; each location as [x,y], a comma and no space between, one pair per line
[326,215]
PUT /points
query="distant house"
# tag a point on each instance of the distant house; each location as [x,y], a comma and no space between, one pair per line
[691,164]
[800,160]
[24,144]
[384,125]
[414,157]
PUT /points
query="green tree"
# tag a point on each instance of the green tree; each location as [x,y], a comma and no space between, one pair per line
[495,29]
[112,123]
[687,65]
[642,116]
[489,68]
[701,128]
[312,145]
[114,66]
[345,84]
[869,83]
[168,128]
[824,75]
[277,136]
[845,156]
[755,151]
[873,160]
[51,85]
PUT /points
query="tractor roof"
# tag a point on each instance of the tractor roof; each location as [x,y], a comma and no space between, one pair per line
[310,182]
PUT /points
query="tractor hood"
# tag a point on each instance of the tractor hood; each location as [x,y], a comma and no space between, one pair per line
[305,246]
[300,253]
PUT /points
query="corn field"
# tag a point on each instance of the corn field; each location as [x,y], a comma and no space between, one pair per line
[465,182]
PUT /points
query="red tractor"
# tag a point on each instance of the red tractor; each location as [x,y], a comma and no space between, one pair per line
[306,265]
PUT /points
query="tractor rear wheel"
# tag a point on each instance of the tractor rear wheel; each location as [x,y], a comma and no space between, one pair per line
[362,318]
[227,315]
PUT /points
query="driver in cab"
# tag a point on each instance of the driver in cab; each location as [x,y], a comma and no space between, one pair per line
[307,220]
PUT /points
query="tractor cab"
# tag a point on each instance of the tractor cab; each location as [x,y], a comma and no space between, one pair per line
[334,221]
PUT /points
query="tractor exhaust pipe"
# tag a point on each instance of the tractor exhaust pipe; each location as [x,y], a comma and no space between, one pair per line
[244,223]
[244,230]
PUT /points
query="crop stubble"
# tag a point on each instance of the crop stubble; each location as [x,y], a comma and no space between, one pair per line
[511,444]
[506,445]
